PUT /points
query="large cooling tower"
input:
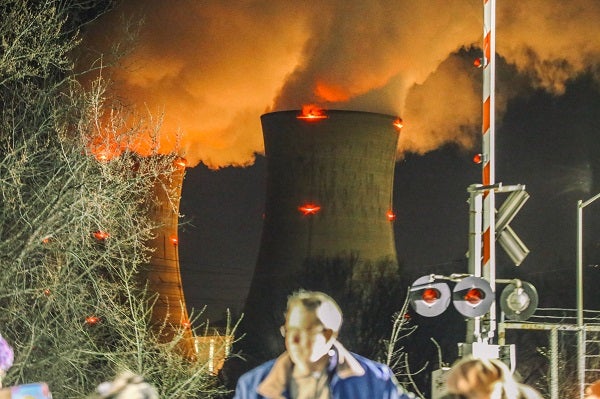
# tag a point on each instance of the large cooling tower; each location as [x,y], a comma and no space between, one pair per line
[329,196]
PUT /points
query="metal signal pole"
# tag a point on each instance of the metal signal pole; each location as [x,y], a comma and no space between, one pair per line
[488,169]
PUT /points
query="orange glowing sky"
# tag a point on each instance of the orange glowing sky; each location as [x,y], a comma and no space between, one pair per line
[211,67]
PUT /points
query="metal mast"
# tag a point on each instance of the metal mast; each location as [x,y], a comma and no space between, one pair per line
[488,168]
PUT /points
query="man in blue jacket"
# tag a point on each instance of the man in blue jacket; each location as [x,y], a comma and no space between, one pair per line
[315,365]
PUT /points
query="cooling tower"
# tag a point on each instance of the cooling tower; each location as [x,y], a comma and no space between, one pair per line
[163,275]
[329,196]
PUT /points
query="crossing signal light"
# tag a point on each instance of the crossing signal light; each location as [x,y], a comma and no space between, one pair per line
[431,295]
[473,296]
[429,298]
[519,302]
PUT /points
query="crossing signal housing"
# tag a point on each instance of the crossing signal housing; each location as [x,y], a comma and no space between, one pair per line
[473,296]
[519,303]
[429,298]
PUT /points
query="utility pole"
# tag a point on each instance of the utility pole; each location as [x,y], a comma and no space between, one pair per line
[581,352]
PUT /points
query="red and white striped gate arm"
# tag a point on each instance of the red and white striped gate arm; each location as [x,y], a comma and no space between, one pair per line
[488,169]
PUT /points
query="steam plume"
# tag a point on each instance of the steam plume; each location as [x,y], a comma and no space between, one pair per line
[213,67]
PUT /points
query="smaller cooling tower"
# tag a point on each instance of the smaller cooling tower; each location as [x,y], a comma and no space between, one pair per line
[163,274]
[329,195]
[163,277]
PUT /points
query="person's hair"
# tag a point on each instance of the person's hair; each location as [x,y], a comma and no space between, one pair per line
[324,307]
[126,385]
[481,375]
[594,389]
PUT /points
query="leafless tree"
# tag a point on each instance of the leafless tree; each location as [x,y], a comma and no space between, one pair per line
[74,224]
[396,355]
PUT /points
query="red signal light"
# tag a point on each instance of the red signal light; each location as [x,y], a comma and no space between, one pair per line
[477,158]
[100,235]
[103,156]
[398,124]
[430,295]
[180,162]
[478,63]
[312,112]
[391,216]
[309,209]
[474,296]
[92,320]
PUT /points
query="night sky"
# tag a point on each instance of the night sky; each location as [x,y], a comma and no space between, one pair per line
[211,68]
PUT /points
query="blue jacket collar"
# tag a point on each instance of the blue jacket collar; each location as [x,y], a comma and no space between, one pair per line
[275,383]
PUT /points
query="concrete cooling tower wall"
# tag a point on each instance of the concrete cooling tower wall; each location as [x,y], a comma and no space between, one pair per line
[163,274]
[329,195]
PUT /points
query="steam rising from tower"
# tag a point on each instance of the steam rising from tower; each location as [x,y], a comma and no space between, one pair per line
[329,195]
[211,79]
